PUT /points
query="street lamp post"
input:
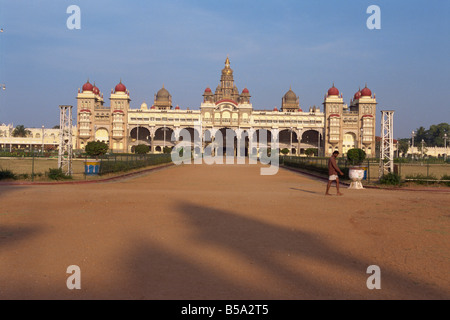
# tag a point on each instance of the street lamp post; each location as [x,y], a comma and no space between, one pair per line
[128,141]
[361,136]
[42,149]
[137,138]
[422,148]
[412,147]
[164,143]
[398,154]
[445,147]
[290,146]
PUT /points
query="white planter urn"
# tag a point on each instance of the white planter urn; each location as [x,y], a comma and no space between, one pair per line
[356,174]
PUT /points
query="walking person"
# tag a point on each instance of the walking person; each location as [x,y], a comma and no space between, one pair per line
[333,171]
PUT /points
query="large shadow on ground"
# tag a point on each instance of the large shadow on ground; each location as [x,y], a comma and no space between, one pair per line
[160,274]
[259,268]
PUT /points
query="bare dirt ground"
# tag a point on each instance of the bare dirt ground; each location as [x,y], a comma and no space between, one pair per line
[222,232]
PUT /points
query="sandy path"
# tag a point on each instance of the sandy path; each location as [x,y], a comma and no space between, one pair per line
[221,232]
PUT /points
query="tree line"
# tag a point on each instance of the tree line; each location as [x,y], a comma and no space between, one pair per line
[434,136]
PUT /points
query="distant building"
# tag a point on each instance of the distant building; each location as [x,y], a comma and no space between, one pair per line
[36,139]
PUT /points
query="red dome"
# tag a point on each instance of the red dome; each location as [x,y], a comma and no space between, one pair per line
[300,110]
[245,90]
[366,92]
[96,90]
[120,87]
[177,108]
[87,86]
[208,89]
[275,109]
[333,91]
[357,95]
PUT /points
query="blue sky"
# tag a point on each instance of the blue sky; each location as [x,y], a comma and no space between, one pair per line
[183,44]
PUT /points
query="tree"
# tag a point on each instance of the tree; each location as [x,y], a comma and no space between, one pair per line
[434,136]
[311,152]
[421,133]
[403,146]
[56,127]
[356,156]
[142,149]
[96,148]
[20,131]
[419,148]
[167,150]
[284,151]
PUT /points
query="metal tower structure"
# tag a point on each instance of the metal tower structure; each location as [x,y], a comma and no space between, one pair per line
[387,142]
[65,142]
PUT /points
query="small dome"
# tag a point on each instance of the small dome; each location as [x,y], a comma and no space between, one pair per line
[163,95]
[275,109]
[357,95]
[144,106]
[290,96]
[208,90]
[88,87]
[333,91]
[300,110]
[366,92]
[245,90]
[177,108]
[120,87]
[95,90]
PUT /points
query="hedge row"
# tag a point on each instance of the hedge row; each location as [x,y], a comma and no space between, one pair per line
[312,167]
[112,165]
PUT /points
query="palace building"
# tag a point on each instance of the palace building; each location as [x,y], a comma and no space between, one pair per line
[338,127]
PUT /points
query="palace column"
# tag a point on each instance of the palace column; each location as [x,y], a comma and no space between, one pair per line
[152,136]
[299,139]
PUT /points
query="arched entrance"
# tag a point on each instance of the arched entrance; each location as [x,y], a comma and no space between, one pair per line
[102,135]
[288,139]
[141,135]
[311,139]
[349,142]
[163,139]
[228,142]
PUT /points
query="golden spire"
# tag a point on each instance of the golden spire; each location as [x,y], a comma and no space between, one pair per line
[227,70]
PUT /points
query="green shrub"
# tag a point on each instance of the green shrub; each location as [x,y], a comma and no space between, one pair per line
[142,149]
[7,174]
[96,148]
[167,150]
[311,152]
[391,179]
[57,174]
[356,156]
[285,151]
